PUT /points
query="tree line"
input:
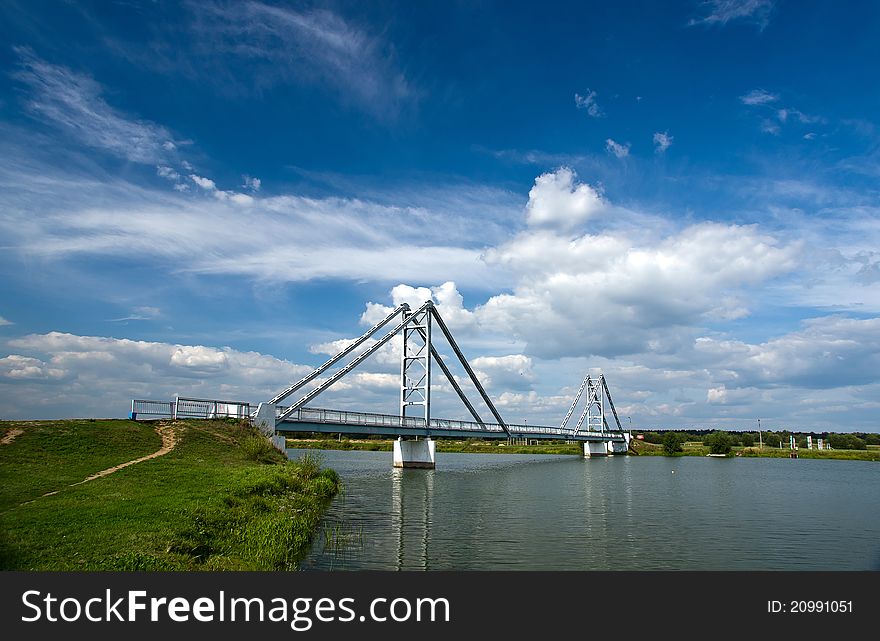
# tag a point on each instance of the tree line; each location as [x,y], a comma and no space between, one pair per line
[721,442]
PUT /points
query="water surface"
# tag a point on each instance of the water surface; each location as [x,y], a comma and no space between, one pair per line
[544,512]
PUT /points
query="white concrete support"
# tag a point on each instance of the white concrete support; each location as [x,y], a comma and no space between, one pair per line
[418,454]
[265,419]
[279,442]
[618,447]
[595,448]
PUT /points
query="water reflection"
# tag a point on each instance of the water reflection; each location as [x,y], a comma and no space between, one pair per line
[411,513]
[559,512]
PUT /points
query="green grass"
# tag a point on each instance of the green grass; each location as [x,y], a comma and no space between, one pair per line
[218,501]
[50,455]
[695,448]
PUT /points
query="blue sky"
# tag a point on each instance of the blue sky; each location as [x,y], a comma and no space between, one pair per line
[209,198]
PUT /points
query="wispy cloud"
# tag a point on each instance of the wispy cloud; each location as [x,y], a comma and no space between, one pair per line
[140,313]
[616,148]
[73,102]
[720,12]
[4,322]
[588,102]
[286,44]
[758,97]
[253,184]
[800,116]
[662,141]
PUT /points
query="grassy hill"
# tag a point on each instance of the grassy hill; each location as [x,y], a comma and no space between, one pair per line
[222,498]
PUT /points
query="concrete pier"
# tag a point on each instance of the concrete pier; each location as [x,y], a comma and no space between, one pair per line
[411,453]
[265,419]
[595,448]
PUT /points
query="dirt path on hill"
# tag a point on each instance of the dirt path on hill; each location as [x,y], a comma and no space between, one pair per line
[10,435]
[169,440]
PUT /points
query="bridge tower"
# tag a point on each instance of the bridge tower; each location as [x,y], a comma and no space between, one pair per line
[414,447]
[594,414]
[415,389]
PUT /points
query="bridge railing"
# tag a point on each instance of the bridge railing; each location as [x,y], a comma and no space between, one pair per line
[146,410]
[343,417]
[209,408]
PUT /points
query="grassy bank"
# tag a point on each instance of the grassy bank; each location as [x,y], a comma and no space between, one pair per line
[470,446]
[696,448]
[221,499]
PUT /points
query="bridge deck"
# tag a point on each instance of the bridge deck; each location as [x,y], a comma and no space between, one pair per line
[308,419]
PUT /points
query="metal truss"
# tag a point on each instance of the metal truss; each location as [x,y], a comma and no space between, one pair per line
[418,356]
[594,411]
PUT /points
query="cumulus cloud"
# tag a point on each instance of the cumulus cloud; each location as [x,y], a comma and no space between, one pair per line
[588,103]
[3,322]
[100,375]
[19,367]
[204,183]
[504,373]
[253,184]
[830,351]
[167,172]
[617,149]
[662,141]
[577,296]
[556,199]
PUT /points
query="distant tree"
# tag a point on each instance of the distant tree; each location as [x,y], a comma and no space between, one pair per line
[872,439]
[718,442]
[672,442]
[846,442]
[747,440]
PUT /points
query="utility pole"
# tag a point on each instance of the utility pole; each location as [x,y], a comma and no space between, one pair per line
[760,440]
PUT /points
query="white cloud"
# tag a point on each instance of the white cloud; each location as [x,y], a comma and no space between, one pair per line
[662,141]
[4,322]
[720,12]
[557,200]
[142,312]
[253,184]
[204,183]
[100,375]
[19,367]
[619,150]
[770,127]
[603,294]
[588,102]
[504,373]
[830,351]
[758,97]
[288,44]
[73,102]
[167,172]
[809,136]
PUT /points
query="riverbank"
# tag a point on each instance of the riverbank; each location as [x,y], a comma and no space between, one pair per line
[696,448]
[470,446]
[75,496]
[640,448]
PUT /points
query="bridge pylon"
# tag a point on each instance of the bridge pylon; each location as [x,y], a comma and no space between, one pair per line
[593,419]
[418,356]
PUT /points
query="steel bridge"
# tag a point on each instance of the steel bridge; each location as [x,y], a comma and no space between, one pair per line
[415,427]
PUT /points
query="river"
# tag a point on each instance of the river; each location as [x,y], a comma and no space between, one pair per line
[544,512]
